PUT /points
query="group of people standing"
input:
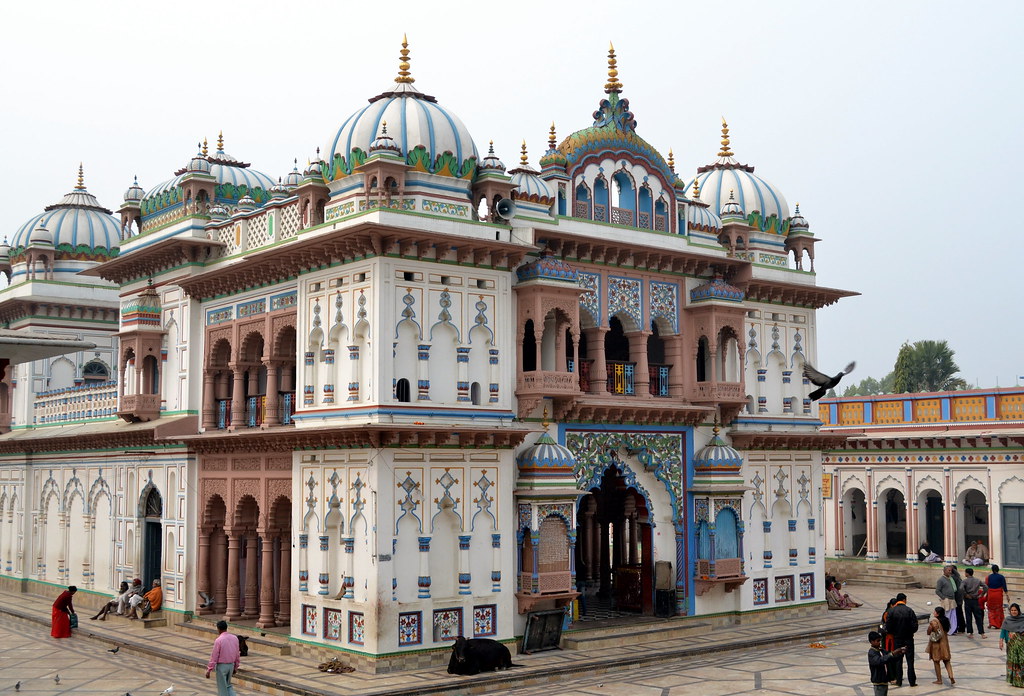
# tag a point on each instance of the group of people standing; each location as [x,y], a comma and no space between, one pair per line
[962,603]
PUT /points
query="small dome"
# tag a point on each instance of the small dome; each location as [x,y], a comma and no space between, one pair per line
[294,176]
[717,456]
[732,210]
[490,163]
[384,142]
[530,186]
[798,222]
[246,203]
[278,190]
[199,163]
[143,310]
[699,217]
[419,122]
[546,458]
[547,267]
[40,236]
[314,169]
[5,251]
[553,157]
[219,212]
[716,289]
[134,192]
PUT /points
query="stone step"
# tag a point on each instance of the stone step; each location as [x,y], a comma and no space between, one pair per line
[154,620]
[265,644]
[611,637]
[899,583]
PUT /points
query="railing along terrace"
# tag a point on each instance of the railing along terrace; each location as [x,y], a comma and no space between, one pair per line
[255,414]
[620,377]
[82,402]
[659,379]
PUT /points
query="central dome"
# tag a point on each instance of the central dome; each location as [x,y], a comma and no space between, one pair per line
[422,129]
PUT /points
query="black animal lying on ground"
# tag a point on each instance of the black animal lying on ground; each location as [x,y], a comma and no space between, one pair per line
[475,655]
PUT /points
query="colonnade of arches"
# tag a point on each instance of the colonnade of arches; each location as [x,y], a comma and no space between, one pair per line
[621,202]
[252,383]
[889,526]
[244,561]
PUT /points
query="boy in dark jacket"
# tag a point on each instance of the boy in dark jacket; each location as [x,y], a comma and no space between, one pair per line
[877,659]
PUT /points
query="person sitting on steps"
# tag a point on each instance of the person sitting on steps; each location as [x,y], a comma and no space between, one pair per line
[111,605]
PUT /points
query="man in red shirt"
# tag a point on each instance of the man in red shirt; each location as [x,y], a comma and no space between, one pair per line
[224,659]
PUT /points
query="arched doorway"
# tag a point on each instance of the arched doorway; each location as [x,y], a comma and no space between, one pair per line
[931,522]
[617,556]
[152,512]
[855,523]
[892,542]
[973,520]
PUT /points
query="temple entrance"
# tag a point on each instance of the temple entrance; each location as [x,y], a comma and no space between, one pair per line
[934,529]
[152,537]
[893,521]
[615,558]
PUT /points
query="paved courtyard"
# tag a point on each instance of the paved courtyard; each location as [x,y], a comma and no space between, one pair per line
[29,655]
[839,668]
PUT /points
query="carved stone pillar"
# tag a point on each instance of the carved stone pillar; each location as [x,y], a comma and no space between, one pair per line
[203,566]
[234,589]
[209,401]
[284,582]
[237,396]
[599,369]
[266,619]
[252,580]
[273,414]
[638,353]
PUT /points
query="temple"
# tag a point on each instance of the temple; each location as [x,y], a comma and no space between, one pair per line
[405,393]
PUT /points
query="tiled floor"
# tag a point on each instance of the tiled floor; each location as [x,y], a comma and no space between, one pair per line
[771,657]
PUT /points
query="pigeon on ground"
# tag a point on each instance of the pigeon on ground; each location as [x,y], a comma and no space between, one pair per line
[823,381]
[17,687]
[114,650]
[168,691]
[56,679]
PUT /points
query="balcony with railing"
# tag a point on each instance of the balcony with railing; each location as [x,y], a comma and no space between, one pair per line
[659,380]
[621,377]
[622,216]
[140,407]
[85,402]
[256,412]
[716,392]
[727,572]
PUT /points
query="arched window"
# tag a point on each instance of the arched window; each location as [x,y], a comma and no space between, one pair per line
[582,202]
[474,393]
[702,359]
[703,540]
[726,539]
[601,200]
[645,208]
[529,347]
[402,392]
[95,371]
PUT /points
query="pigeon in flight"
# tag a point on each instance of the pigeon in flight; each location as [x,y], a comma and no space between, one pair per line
[114,650]
[823,381]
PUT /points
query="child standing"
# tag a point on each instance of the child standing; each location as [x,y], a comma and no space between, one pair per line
[938,645]
[877,660]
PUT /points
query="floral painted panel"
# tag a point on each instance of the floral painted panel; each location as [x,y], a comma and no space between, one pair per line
[485,621]
[309,620]
[806,585]
[332,624]
[760,587]
[447,624]
[410,628]
[356,627]
[784,588]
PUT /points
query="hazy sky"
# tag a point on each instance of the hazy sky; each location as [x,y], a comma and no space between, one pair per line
[895,125]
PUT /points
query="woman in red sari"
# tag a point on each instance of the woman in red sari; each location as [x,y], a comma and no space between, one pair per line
[996,583]
[61,616]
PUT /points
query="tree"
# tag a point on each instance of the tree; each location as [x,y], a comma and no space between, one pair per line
[926,366]
[870,386]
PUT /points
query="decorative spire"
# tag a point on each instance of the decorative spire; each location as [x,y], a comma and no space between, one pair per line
[725,151]
[490,150]
[544,419]
[220,142]
[383,129]
[403,64]
[206,148]
[524,161]
[613,85]
[797,212]
[551,137]
[671,161]
[81,179]
[696,188]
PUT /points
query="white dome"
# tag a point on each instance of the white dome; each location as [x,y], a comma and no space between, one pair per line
[77,221]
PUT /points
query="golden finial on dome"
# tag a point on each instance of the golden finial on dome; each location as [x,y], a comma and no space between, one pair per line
[544,419]
[490,150]
[206,147]
[220,142]
[81,178]
[551,137]
[524,161]
[725,151]
[403,64]
[671,161]
[613,84]
[696,188]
